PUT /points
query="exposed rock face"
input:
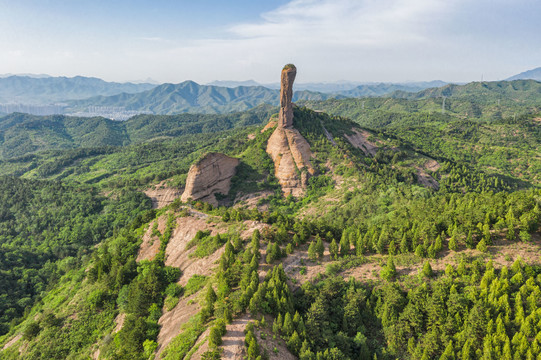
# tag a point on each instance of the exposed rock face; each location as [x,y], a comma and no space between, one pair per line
[286,146]
[291,154]
[285,118]
[210,175]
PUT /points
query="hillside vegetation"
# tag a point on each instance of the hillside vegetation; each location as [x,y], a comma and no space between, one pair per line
[418,237]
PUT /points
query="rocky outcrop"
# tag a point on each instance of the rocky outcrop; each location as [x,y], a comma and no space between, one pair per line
[287,147]
[291,155]
[210,175]
[285,118]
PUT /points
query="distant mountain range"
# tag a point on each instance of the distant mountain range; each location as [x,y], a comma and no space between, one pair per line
[534,74]
[191,97]
[346,88]
[486,90]
[47,90]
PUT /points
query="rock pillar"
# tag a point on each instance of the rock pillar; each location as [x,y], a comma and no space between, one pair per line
[285,118]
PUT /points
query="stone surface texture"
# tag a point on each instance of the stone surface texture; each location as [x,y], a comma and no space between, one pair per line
[288,149]
[285,118]
[210,175]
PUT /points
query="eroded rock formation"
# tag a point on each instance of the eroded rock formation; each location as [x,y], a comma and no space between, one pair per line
[287,147]
[285,118]
[210,175]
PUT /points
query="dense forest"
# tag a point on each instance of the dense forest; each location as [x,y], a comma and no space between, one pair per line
[423,243]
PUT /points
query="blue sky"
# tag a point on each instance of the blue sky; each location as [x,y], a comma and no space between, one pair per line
[328,40]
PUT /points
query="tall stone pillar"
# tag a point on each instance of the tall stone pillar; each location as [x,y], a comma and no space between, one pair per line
[285,118]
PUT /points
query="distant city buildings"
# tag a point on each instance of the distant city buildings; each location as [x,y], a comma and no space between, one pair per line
[110,112]
[33,109]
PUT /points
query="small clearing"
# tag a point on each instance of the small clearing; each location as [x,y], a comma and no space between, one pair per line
[233,340]
[151,243]
[360,140]
[119,321]
[12,341]
[162,195]
[427,180]
[171,321]
[276,348]
[177,255]
[250,201]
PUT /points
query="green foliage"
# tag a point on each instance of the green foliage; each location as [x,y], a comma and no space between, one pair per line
[195,283]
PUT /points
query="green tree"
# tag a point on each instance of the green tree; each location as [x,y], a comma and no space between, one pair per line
[333,249]
[320,248]
[427,270]
[312,253]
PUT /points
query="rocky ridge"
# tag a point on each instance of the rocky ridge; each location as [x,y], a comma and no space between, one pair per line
[210,175]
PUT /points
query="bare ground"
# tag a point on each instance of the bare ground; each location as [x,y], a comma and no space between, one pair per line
[151,244]
[171,321]
[12,341]
[360,140]
[266,340]
[250,200]
[119,321]
[202,345]
[233,340]
[162,195]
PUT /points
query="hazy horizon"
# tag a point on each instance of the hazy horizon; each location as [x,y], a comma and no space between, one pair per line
[342,40]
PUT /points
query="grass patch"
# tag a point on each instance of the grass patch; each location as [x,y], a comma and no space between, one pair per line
[196,283]
[206,244]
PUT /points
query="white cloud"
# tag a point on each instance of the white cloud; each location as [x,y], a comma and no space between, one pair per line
[313,34]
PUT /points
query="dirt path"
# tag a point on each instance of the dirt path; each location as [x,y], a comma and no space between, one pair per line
[233,340]
[12,341]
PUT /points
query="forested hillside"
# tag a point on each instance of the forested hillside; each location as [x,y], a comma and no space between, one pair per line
[417,237]
[22,134]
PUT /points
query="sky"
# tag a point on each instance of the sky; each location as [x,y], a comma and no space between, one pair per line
[328,40]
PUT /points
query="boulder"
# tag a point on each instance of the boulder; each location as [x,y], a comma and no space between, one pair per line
[210,175]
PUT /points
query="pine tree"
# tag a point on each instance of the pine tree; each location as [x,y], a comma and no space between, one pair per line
[482,246]
[333,249]
[389,271]
[449,353]
[469,240]
[294,343]
[453,245]
[427,270]
[392,248]
[344,245]
[312,254]
[320,248]
[420,251]
[404,246]
[438,245]
[288,327]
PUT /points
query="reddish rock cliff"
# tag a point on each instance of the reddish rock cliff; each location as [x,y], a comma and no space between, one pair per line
[210,175]
[287,147]
[285,118]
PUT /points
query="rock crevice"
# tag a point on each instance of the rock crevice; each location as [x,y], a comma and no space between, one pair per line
[210,175]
